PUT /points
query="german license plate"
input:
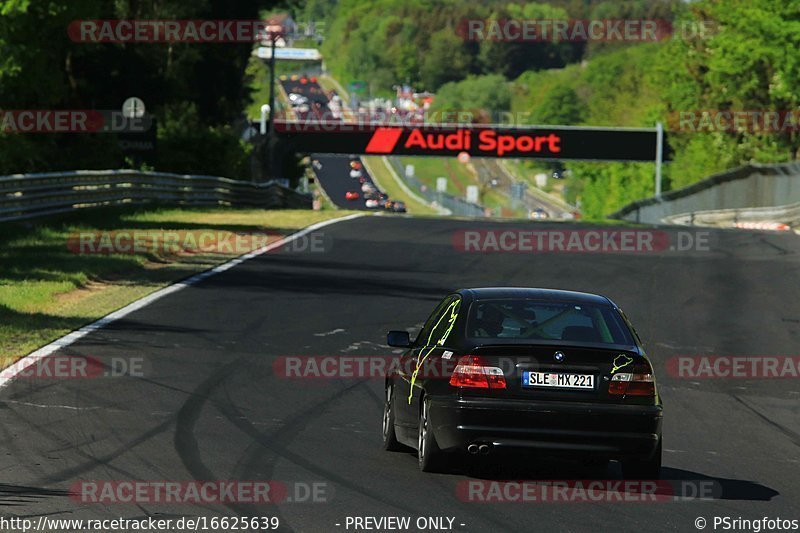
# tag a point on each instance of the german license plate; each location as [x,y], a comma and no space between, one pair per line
[558,380]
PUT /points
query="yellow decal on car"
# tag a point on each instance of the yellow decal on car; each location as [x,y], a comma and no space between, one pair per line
[621,361]
[452,314]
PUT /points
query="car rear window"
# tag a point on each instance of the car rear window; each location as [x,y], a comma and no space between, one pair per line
[539,320]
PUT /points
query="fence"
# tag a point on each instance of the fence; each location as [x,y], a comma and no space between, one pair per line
[456,205]
[26,196]
[743,188]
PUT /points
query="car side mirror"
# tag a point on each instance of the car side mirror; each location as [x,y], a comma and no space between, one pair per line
[398,339]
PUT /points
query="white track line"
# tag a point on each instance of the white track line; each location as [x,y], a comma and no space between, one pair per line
[8,374]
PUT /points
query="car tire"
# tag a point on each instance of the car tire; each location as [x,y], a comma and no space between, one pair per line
[429,456]
[649,468]
[390,442]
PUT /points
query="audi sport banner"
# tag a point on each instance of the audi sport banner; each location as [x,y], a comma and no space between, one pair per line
[477,140]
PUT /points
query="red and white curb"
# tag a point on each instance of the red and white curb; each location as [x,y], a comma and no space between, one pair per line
[771,226]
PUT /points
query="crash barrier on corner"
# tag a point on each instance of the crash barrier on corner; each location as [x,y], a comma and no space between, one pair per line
[26,196]
[455,205]
[743,189]
[764,218]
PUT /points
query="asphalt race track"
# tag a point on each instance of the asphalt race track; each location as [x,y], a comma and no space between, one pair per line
[208,406]
[333,174]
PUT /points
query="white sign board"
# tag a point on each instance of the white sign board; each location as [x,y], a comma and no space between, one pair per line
[409,171]
[541,180]
[292,54]
[472,194]
[441,184]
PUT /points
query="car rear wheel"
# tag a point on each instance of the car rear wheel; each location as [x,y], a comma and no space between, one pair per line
[649,468]
[429,456]
[390,442]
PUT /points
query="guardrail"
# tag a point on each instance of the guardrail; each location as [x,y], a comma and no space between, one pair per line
[742,217]
[747,187]
[456,205]
[26,196]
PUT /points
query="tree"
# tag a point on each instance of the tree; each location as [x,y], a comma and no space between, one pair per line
[446,60]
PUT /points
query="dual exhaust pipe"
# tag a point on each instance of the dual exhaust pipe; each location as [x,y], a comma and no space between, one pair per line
[482,449]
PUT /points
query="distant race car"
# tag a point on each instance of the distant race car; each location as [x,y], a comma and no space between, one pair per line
[355,173]
[399,207]
[372,203]
[351,195]
[355,164]
[367,187]
[539,214]
[521,369]
[297,99]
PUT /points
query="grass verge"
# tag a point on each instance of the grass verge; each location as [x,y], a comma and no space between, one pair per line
[48,288]
[459,176]
[387,183]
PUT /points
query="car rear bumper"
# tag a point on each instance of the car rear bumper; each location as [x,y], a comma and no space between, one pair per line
[550,428]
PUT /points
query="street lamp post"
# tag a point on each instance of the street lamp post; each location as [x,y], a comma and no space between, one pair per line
[275,32]
[274,35]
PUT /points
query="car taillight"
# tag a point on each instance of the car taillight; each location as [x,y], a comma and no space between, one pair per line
[473,372]
[639,382]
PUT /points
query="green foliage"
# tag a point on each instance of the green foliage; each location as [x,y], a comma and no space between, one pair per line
[559,106]
[746,61]
[188,146]
[41,68]
[602,188]
[424,42]
[446,61]
[477,94]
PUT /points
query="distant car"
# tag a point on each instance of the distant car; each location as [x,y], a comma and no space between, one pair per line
[399,207]
[553,372]
[355,173]
[372,203]
[297,99]
[351,195]
[355,164]
[539,214]
[362,179]
[367,187]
